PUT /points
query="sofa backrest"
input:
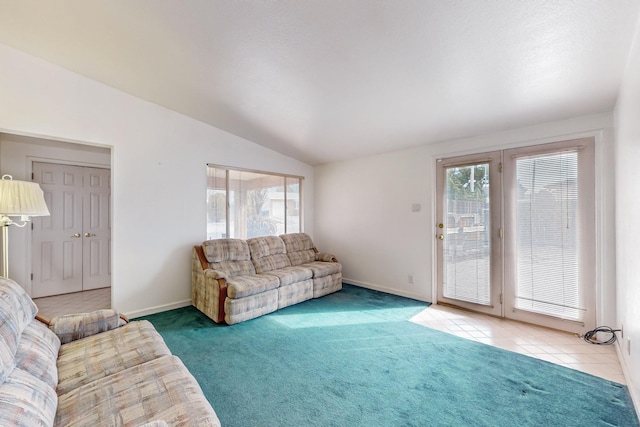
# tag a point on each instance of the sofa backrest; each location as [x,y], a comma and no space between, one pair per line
[300,248]
[230,256]
[268,253]
[17,310]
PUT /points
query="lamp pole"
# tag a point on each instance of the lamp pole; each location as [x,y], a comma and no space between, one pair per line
[5,247]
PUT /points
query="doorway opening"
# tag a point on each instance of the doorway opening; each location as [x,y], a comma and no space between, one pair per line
[63,255]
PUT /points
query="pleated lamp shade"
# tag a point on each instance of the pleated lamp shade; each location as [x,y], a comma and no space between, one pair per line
[21,198]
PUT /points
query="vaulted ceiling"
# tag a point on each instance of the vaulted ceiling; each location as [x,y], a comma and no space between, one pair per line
[327,80]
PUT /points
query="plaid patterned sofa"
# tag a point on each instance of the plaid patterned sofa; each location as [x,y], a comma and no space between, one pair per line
[91,369]
[234,280]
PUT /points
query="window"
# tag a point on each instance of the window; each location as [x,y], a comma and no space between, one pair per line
[244,204]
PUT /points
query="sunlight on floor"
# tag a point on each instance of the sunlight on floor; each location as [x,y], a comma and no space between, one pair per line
[553,346]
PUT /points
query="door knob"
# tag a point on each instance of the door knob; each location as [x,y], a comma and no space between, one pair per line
[441,236]
[77,235]
[89,235]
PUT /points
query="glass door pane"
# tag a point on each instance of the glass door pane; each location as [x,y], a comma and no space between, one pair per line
[469,249]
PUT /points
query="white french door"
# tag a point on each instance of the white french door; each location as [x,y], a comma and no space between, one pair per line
[71,248]
[550,247]
[468,231]
[538,264]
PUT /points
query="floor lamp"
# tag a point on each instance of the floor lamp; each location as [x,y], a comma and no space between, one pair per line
[18,198]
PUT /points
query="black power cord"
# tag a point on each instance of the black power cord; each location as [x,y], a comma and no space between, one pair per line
[590,336]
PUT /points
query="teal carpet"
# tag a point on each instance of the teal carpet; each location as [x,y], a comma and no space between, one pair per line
[353,359]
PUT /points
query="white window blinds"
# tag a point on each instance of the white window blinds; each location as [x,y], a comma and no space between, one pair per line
[548,236]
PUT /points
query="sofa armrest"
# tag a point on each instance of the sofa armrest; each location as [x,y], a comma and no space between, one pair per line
[208,287]
[44,319]
[322,256]
[71,327]
[215,274]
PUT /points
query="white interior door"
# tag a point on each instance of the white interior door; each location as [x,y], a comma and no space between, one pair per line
[468,230]
[71,247]
[96,230]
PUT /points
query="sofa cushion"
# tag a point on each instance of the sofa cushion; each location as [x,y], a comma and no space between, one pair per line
[230,256]
[222,250]
[260,247]
[295,293]
[241,309]
[161,389]
[244,286]
[234,268]
[290,275]
[83,361]
[300,248]
[71,327]
[17,310]
[26,401]
[326,285]
[268,253]
[321,269]
[271,262]
[295,242]
[38,351]
[7,360]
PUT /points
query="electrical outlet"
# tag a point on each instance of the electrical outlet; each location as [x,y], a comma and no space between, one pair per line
[410,279]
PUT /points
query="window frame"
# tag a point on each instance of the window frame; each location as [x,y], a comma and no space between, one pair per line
[286,178]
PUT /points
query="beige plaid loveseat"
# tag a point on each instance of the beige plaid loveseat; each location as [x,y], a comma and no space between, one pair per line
[234,280]
[91,369]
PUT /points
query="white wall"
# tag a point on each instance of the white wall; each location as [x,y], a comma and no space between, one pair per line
[17,154]
[158,171]
[364,209]
[627,157]
[364,217]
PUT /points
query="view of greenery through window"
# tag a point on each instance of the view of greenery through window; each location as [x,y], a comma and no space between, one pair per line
[244,204]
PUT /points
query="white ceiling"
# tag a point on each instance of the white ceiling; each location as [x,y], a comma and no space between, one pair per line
[328,80]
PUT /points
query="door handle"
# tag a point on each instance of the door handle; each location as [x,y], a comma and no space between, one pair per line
[89,235]
[77,235]
[441,236]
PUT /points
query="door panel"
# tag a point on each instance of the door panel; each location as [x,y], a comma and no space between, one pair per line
[71,248]
[550,210]
[57,242]
[97,230]
[467,229]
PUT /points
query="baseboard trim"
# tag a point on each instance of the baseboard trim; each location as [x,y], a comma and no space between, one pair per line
[627,377]
[392,291]
[158,309]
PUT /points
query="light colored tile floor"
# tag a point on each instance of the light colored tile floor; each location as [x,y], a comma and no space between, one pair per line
[553,346]
[77,302]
